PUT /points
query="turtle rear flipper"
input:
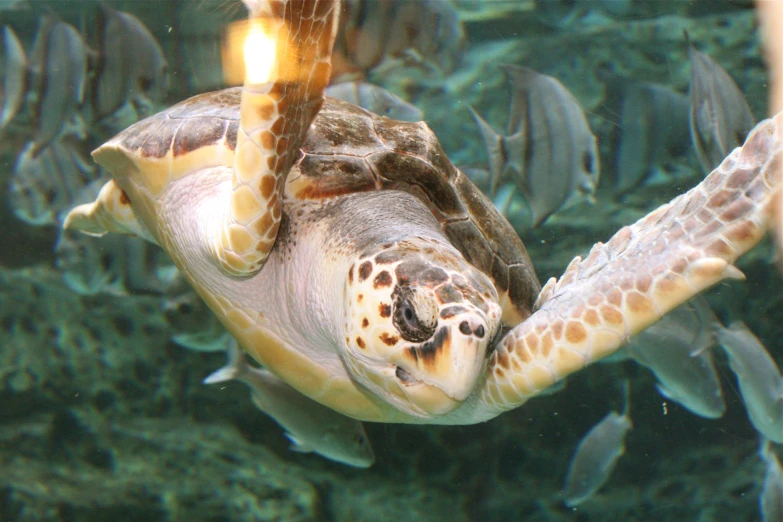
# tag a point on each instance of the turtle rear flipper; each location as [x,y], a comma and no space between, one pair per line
[643,272]
[110,212]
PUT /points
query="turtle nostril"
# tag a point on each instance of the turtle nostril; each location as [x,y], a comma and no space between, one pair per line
[480,332]
[464,327]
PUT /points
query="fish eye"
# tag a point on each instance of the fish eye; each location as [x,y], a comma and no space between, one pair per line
[407,321]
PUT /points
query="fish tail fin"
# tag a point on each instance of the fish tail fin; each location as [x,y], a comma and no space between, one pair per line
[720,332]
[493,146]
[706,337]
[235,367]
[765,448]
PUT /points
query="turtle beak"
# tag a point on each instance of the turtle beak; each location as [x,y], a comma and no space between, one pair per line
[450,362]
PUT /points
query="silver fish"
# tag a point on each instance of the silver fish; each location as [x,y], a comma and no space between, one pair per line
[121,265]
[310,426]
[150,67]
[14,76]
[549,151]
[676,350]
[653,128]
[771,498]
[131,64]
[14,5]
[37,56]
[596,456]
[195,326]
[65,74]
[759,379]
[46,185]
[720,118]
[375,99]
[372,32]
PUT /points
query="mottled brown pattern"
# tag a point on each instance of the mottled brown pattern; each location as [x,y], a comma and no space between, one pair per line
[365,269]
[448,294]
[451,311]
[575,332]
[264,224]
[388,257]
[385,310]
[389,340]
[196,122]
[197,134]
[382,280]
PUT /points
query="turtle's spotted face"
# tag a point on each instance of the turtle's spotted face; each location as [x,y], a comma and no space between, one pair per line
[419,324]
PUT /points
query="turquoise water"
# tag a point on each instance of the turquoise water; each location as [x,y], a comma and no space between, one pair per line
[102,412]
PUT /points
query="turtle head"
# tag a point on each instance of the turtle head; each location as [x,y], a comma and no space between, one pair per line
[420,321]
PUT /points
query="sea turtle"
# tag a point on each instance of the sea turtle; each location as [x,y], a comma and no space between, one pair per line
[378,280]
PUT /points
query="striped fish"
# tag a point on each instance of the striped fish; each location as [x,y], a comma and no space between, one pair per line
[720,118]
[653,129]
[50,183]
[596,456]
[676,350]
[63,70]
[372,31]
[131,65]
[549,153]
[758,376]
[14,77]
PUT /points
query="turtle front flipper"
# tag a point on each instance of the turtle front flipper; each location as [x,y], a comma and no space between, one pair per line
[287,53]
[643,272]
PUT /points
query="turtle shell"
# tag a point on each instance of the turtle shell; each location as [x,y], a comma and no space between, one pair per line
[347,149]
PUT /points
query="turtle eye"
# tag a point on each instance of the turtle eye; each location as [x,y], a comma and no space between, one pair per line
[411,326]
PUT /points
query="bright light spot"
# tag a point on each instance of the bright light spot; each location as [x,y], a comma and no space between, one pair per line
[260,51]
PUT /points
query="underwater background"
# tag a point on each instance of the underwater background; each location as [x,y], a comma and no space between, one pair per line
[103,349]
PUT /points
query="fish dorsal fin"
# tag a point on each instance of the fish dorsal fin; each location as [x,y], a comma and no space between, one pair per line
[496,156]
[110,212]
[521,80]
[705,337]
[235,368]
